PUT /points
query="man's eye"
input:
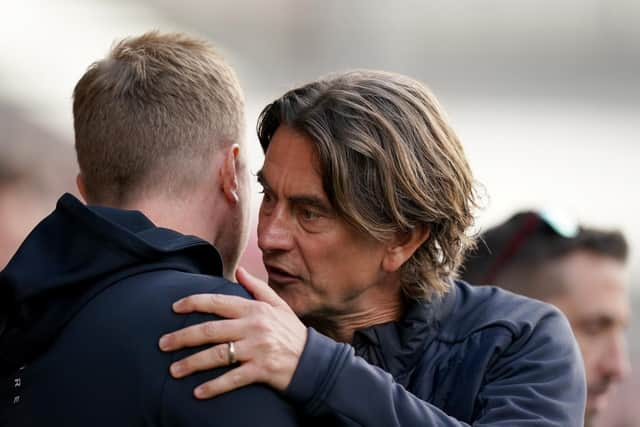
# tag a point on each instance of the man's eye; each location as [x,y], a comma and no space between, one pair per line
[309,215]
[596,326]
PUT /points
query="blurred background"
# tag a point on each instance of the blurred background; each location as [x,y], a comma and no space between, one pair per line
[543,94]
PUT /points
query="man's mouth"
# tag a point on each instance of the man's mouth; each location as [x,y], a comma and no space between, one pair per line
[280,276]
[597,397]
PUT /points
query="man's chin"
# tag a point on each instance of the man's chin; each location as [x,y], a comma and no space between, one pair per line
[292,296]
[589,417]
[595,405]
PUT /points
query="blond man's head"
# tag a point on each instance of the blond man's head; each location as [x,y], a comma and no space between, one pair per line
[149,117]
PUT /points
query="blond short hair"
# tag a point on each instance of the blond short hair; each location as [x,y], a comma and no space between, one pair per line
[149,116]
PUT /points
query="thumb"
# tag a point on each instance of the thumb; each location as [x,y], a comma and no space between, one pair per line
[259,289]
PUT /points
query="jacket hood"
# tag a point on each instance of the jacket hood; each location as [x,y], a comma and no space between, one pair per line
[73,254]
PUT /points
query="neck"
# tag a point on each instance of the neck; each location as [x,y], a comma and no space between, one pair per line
[201,214]
[189,215]
[341,327]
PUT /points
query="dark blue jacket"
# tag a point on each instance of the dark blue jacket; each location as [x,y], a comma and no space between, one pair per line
[82,306]
[479,356]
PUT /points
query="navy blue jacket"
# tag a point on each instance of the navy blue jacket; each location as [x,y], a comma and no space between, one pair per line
[82,306]
[478,356]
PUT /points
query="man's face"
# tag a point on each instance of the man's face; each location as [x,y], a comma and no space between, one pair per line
[318,263]
[597,307]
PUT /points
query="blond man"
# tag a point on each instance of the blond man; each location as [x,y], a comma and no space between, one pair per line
[158,127]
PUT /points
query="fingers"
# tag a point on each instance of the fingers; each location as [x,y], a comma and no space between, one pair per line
[230,306]
[213,357]
[267,335]
[259,289]
[214,331]
[239,377]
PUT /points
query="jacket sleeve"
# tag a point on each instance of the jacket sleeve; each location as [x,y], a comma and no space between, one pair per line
[331,381]
[253,405]
[538,380]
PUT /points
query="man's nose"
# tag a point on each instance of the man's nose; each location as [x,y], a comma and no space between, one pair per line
[616,360]
[274,231]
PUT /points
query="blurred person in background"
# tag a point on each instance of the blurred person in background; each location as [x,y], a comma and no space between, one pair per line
[158,135]
[35,167]
[581,270]
[367,199]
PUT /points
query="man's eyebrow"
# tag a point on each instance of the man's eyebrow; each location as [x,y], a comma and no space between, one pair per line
[311,201]
[301,199]
[606,320]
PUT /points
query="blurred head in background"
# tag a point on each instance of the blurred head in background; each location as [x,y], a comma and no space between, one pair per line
[35,167]
[580,270]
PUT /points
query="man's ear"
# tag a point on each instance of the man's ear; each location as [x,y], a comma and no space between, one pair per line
[81,187]
[229,174]
[403,247]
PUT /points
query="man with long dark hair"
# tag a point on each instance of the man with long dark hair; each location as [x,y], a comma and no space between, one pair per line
[367,200]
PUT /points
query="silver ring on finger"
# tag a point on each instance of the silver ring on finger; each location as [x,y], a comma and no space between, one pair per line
[231,353]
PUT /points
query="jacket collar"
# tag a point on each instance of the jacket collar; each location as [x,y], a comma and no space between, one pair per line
[397,346]
[70,257]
